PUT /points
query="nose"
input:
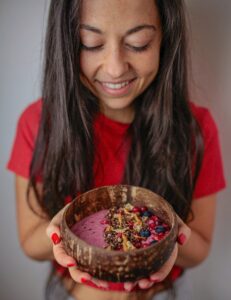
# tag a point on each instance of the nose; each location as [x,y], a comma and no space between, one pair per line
[115,63]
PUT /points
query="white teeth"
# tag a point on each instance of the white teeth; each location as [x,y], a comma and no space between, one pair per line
[116,86]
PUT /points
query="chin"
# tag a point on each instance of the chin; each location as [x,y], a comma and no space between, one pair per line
[118,104]
[116,108]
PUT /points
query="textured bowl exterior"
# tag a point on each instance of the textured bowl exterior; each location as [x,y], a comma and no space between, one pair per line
[118,266]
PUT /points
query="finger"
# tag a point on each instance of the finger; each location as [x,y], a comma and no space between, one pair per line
[100,283]
[61,256]
[128,286]
[103,284]
[79,276]
[58,248]
[83,277]
[53,232]
[184,232]
[145,283]
[166,268]
[55,222]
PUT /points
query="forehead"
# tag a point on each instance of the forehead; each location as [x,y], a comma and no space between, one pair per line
[119,14]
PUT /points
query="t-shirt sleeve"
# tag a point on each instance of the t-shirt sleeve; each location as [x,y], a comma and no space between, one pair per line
[211,177]
[24,142]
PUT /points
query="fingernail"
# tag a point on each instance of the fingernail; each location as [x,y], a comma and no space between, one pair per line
[181,239]
[84,280]
[55,238]
[71,265]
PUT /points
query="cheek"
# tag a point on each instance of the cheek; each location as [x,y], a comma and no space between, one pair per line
[148,66]
[86,65]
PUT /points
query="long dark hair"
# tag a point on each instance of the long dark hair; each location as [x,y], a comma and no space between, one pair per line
[167,144]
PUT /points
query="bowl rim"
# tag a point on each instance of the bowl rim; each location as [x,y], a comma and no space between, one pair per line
[117,252]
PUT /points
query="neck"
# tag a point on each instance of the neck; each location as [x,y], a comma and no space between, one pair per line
[120,115]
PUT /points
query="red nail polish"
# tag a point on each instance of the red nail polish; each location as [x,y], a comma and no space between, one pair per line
[71,265]
[84,280]
[181,239]
[55,238]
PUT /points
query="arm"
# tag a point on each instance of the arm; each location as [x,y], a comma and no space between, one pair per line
[198,246]
[35,233]
[31,227]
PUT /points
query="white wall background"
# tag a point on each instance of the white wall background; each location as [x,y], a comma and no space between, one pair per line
[22,27]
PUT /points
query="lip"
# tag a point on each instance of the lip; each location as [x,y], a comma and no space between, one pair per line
[117,92]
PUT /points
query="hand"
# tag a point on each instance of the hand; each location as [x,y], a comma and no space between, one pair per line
[184,233]
[63,258]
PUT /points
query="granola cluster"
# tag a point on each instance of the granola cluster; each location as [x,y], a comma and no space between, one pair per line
[131,227]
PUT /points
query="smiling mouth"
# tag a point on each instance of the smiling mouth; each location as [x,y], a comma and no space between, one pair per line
[116,86]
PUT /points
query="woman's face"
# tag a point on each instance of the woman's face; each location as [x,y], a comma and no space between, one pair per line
[120,51]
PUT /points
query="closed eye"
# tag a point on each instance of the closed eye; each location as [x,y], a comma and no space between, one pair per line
[99,47]
[95,48]
[139,49]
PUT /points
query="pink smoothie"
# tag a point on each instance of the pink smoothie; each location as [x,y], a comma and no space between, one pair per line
[91,230]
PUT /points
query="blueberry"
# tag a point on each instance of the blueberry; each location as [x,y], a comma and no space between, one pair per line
[145,233]
[160,229]
[147,213]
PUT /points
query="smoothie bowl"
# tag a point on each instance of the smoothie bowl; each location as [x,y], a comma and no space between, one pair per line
[119,233]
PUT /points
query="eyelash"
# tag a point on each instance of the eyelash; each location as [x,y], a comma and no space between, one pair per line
[140,49]
[90,48]
[97,48]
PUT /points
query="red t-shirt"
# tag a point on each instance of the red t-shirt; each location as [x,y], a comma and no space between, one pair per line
[109,137]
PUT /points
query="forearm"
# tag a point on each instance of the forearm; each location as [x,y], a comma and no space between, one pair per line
[37,245]
[32,223]
[194,251]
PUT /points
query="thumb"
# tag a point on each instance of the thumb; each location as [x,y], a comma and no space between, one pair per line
[54,224]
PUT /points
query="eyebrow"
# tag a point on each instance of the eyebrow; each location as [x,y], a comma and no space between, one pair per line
[130,31]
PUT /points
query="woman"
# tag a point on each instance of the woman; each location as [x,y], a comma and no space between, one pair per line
[115,109]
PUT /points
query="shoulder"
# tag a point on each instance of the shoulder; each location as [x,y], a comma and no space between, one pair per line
[30,117]
[205,120]
[32,112]
[24,141]
[211,176]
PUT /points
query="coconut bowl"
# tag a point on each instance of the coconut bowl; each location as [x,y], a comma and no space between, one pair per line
[112,265]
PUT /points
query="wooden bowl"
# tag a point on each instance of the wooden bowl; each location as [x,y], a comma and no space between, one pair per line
[111,265]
